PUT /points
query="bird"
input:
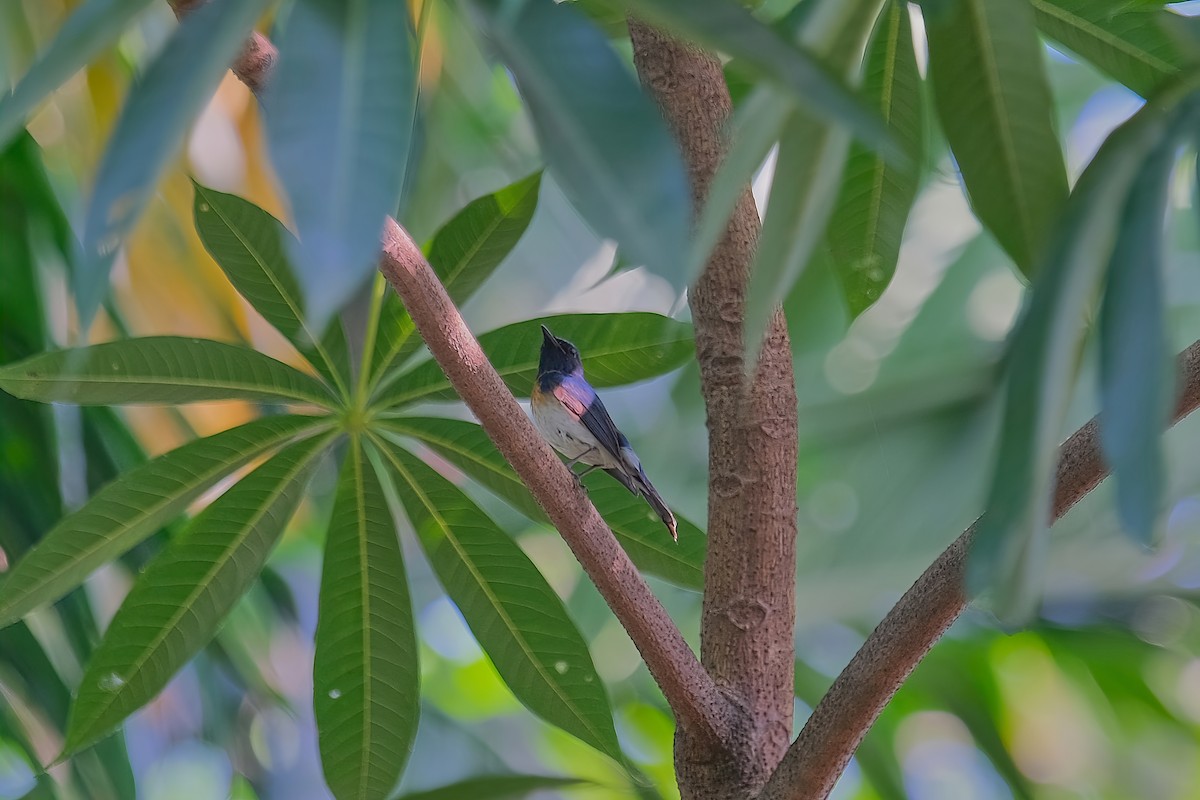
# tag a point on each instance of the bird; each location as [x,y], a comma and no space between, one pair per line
[570,415]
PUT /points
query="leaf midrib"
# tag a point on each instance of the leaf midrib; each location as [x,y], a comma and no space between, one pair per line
[486,589]
[991,70]
[1116,42]
[317,344]
[223,468]
[201,585]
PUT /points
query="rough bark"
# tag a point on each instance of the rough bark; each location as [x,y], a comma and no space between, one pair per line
[817,758]
[749,591]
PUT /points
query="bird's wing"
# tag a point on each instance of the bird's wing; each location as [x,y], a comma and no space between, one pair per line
[577,396]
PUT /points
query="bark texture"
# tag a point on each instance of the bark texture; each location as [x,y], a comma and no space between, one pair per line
[749,592]
[819,755]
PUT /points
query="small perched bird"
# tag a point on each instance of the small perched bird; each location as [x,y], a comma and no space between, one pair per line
[567,411]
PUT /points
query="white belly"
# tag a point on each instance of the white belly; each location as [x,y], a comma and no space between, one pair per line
[568,435]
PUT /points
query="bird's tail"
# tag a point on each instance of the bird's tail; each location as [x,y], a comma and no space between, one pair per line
[640,485]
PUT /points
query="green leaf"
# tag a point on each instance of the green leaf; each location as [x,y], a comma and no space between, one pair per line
[179,601]
[867,225]
[1128,41]
[605,141]
[518,619]
[365,672]
[158,111]
[726,26]
[994,102]
[617,349]
[495,787]
[92,28]
[132,507]
[463,254]
[1043,360]
[1137,372]
[640,532]
[248,245]
[158,369]
[339,140]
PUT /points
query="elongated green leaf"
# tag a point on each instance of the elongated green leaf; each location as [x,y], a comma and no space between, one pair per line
[637,528]
[248,245]
[338,140]
[617,349]
[517,618]
[1127,40]
[994,103]
[93,27]
[178,602]
[605,141]
[463,254]
[495,787]
[134,506]
[812,154]
[158,369]
[872,208]
[365,673]
[1137,373]
[160,106]
[1042,363]
[726,26]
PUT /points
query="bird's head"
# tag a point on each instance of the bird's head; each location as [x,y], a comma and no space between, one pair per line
[558,355]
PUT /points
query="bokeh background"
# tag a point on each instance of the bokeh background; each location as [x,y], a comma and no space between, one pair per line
[1100,698]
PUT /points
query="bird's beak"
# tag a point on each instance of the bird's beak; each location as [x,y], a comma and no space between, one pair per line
[549,337]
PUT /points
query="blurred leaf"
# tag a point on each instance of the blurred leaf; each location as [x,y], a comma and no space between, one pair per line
[1128,41]
[605,141]
[994,102]
[1042,362]
[1137,372]
[92,28]
[807,172]
[617,349]
[338,118]
[868,220]
[495,787]
[158,369]
[754,129]
[640,532]
[248,245]
[518,619]
[159,109]
[179,601]
[463,254]
[132,507]
[727,27]
[365,672]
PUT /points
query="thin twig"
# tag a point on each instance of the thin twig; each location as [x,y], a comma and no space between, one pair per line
[820,753]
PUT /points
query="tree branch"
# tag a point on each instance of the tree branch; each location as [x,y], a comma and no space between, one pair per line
[820,753]
[691,693]
[747,628]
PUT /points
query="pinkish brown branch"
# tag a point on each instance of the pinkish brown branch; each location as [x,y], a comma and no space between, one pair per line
[820,753]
